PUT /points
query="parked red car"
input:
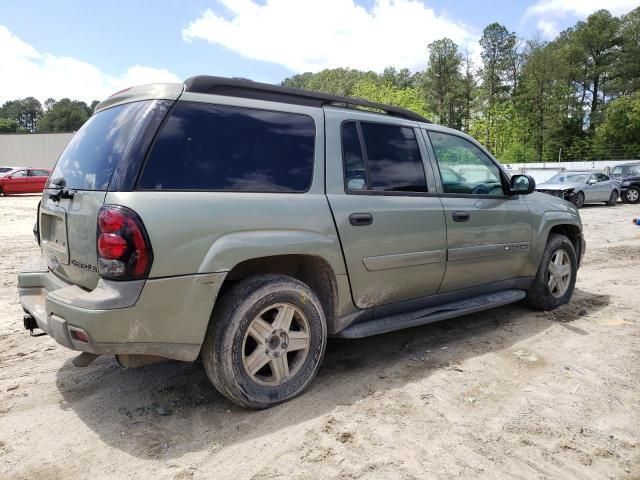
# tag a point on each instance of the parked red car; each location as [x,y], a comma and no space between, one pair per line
[23,180]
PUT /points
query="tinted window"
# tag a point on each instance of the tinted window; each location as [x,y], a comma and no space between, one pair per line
[464,168]
[354,172]
[214,147]
[38,173]
[602,177]
[94,152]
[391,160]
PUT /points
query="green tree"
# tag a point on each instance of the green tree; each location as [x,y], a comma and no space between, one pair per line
[8,126]
[498,46]
[339,81]
[620,130]
[64,116]
[410,98]
[402,78]
[443,82]
[25,112]
[597,40]
[626,69]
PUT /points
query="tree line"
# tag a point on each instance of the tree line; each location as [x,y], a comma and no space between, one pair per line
[574,97]
[28,115]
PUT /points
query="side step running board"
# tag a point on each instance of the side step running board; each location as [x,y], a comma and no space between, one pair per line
[432,314]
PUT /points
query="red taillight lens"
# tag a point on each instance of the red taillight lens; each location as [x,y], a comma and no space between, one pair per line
[124,250]
[110,221]
[111,246]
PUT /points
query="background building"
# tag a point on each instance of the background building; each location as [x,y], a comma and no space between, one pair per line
[33,149]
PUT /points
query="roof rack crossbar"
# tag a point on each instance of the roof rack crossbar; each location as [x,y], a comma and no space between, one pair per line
[239,87]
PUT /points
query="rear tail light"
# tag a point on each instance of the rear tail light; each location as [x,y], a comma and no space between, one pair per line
[124,250]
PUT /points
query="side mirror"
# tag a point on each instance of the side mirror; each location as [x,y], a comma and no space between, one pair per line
[593,181]
[522,185]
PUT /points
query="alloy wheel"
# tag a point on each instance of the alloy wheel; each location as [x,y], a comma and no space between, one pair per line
[276,344]
[559,273]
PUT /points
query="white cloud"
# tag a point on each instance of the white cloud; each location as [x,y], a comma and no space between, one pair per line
[550,11]
[26,72]
[308,35]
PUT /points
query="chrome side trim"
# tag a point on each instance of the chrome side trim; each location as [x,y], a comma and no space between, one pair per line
[467,253]
[387,262]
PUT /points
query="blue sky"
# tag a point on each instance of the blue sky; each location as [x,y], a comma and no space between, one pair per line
[87,49]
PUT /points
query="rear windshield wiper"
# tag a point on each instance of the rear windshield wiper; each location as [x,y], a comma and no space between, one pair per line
[59,185]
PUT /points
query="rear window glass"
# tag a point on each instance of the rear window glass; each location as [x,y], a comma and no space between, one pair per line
[215,147]
[94,152]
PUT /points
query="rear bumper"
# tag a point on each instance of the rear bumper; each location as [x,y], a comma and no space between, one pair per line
[166,317]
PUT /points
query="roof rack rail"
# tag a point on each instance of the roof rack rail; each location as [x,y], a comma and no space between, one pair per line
[240,87]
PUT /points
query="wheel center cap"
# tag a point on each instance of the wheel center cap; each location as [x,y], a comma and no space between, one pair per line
[277,343]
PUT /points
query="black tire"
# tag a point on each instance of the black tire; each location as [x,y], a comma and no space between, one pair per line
[540,296]
[578,199]
[634,193]
[613,198]
[1,192]
[223,351]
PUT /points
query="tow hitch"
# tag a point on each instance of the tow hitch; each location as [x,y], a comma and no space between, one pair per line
[30,324]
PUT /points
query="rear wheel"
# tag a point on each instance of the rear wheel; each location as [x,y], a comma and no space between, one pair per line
[556,277]
[578,199]
[266,340]
[632,195]
[613,199]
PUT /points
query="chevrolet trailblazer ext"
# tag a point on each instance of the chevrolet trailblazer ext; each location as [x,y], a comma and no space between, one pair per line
[245,223]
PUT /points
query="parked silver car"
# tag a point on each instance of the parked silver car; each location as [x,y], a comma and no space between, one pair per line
[582,187]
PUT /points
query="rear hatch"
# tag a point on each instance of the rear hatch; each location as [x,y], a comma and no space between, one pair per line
[108,149]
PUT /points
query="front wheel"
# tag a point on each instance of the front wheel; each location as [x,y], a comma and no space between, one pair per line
[613,199]
[632,195]
[578,199]
[556,277]
[266,340]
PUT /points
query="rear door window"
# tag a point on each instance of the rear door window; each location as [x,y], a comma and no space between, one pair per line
[96,150]
[224,148]
[382,157]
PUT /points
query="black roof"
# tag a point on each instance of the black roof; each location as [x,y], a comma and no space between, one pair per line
[239,87]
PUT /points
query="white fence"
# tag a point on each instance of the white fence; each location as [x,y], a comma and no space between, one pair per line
[32,149]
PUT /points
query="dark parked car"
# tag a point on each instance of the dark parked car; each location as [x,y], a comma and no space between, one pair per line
[628,175]
[23,180]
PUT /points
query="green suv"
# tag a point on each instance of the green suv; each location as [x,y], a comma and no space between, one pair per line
[244,223]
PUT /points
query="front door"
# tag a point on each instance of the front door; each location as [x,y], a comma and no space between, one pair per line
[18,183]
[391,225]
[488,232]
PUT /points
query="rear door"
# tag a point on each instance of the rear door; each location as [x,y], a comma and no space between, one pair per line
[382,194]
[591,190]
[37,180]
[105,147]
[605,186]
[488,232]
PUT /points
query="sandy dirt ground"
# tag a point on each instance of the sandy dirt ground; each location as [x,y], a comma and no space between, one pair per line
[509,393]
